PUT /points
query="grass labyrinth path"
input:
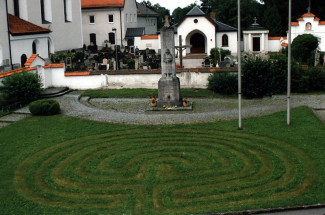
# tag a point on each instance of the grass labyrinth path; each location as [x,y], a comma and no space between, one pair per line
[166,171]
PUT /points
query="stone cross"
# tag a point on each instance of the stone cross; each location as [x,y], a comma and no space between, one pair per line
[181,48]
[255,20]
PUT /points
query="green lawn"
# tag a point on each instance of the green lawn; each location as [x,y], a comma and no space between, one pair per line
[63,165]
[145,93]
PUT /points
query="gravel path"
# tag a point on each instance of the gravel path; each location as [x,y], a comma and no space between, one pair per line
[135,111]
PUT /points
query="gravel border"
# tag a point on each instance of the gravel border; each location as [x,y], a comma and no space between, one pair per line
[77,106]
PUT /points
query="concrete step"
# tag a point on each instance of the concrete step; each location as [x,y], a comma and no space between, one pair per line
[55,92]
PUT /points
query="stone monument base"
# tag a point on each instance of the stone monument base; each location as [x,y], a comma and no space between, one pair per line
[169,92]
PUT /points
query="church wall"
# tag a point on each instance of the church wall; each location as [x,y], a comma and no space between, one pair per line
[65,34]
[4,40]
[316,29]
[23,45]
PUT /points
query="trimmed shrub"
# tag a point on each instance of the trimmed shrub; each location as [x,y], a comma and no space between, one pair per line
[255,77]
[44,107]
[25,86]
[277,77]
[303,47]
[223,83]
[316,80]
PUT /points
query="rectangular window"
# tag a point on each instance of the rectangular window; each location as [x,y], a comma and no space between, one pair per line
[16,8]
[91,19]
[110,18]
[46,11]
[67,10]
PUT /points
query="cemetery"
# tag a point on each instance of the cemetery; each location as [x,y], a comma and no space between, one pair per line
[117,129]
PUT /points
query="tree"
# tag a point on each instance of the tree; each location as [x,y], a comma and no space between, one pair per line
[158,9]
[272,21]
[303,47]
[180,13]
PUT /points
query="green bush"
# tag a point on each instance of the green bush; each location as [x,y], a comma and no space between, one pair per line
[215,56]
[255,77]
[223,83]
[44,107]
[303,47]
[277,75]
[25,86]
[316,80]
[131,63]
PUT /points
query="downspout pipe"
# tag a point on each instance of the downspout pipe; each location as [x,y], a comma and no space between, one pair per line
[10,56]
[121,25]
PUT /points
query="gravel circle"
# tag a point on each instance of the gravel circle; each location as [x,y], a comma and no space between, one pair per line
[135,111]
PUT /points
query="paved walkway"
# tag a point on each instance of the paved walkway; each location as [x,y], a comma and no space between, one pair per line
[134,111]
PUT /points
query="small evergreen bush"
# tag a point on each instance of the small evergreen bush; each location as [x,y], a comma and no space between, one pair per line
[44,107]
[223,83]
[25,86]
[255,79]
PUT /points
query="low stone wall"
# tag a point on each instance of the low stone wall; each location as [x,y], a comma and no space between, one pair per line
[189,78]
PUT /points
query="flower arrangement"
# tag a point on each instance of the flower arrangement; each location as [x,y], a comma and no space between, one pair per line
[186,103]
[153,101]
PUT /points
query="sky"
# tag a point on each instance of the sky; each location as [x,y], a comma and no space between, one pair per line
[173,4]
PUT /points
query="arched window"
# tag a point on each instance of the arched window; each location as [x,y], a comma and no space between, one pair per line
[308,26]
[225,42]
[23,60]
[93,39]
[34,47]
[111,38]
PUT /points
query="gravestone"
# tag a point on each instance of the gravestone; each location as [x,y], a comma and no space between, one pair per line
[169,84]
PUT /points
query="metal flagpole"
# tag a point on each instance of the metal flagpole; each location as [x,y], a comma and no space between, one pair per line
[239,72]
[289,67]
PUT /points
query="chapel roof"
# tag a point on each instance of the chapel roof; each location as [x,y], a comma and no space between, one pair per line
[196,11]
[222,27]
[89,4]
[19,26]
[144,11]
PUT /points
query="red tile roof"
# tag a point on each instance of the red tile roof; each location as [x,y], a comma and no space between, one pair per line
[295,23]
[316,19]
[149,37]
[300,19]
[54,65]
[308,15]
[11,72]
[76,73]
[321,23]
[284,44]
[19,26]
[277,38]
[101,3]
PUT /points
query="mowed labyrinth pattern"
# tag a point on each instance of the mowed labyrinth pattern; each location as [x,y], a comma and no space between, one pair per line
[164,171]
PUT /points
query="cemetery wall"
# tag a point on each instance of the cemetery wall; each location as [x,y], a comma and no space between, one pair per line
[85,80]
[274,45]
[142,44]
